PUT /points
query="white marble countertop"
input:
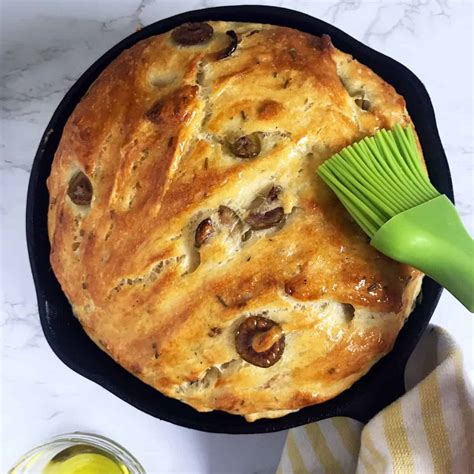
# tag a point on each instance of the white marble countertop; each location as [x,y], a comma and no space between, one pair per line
[45,46]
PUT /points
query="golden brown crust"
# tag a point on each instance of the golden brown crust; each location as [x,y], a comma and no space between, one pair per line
[152,134]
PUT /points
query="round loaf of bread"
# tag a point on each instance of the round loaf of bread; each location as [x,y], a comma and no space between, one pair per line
[192,236]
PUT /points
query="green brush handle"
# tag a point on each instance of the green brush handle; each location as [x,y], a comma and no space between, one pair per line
[432,238]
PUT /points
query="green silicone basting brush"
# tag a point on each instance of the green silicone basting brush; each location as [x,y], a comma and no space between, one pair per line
[382,183]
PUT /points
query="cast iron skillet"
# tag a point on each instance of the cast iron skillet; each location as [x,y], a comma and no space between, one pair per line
[383,384]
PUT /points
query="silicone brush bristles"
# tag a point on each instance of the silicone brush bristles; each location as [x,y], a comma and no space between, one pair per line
[379,177]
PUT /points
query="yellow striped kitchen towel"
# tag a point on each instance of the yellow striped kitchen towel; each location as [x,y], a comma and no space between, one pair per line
[428,430]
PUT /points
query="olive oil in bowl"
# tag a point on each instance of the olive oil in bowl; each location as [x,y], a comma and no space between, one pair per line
[78,453]
[84,459]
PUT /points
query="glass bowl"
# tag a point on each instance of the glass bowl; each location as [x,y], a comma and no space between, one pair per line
[66,446]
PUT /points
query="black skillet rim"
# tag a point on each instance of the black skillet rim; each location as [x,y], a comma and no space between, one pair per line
[384,382]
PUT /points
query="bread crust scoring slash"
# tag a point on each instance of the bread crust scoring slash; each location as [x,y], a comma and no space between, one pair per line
[192,236]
